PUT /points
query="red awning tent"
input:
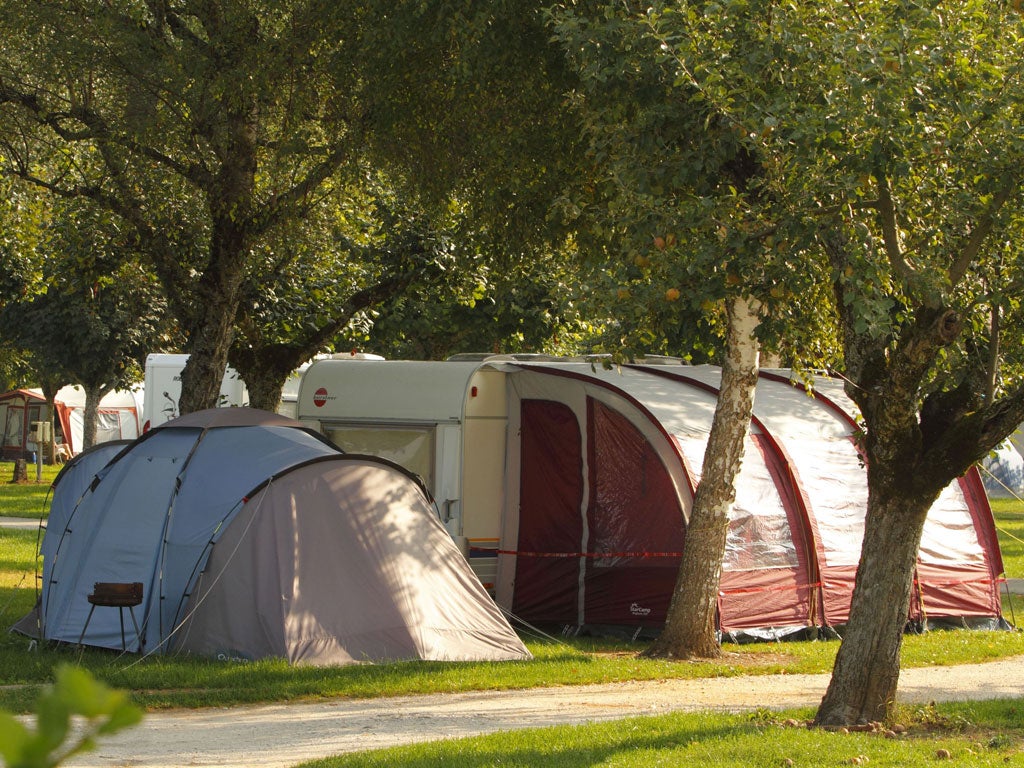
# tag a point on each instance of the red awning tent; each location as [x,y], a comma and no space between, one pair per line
[570,487]
[602,466]
[119,414]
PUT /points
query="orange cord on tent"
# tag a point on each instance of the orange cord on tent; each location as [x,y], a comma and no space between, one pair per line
[810,586]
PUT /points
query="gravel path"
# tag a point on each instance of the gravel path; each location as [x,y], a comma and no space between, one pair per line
[279,736]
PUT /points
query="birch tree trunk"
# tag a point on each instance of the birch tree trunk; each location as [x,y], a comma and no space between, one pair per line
[90,416]
[691,623]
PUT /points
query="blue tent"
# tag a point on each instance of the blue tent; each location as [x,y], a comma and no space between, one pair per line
[321,548]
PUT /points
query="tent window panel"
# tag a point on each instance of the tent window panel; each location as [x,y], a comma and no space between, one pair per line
[410,447]
[128,425]
[108,426]
[635,520]
[692,446]
[14,427]
[949,535]
[759,530]
[634,506]
[836,484]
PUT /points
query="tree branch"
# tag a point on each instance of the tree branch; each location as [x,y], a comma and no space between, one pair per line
[387,287]
[95,129]
[1002,418]
[993,352]
[890,230]
[968,252]
[282,206]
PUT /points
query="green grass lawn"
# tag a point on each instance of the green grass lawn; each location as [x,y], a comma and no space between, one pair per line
[31,499]
[1009,517]
[170,681]
[970,734]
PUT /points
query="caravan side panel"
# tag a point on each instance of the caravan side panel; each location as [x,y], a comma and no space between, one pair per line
[483,471]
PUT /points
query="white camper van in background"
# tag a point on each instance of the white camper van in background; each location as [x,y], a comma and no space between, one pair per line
[163,389]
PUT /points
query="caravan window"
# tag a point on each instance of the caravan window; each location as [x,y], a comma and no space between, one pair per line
[412,447]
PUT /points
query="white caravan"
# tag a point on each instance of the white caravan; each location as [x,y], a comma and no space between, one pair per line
[163,389]
[420,415]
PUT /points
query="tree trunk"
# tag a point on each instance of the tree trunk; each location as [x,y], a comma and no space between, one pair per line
[867,667]
[50,393]
[213,324]
[233,228]
[690,626]
[208,360]
[265,388]
[914,446]
[91,416]
[265,369]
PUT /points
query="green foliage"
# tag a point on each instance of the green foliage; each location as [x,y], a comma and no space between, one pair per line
[527,306]
[740,133]
[14,367]
[79,302]
[241,150]
[201,130]
[683,206]
[74,693]
[467,100]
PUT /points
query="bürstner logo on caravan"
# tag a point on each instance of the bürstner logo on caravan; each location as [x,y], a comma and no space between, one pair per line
[638,610]
[320,397]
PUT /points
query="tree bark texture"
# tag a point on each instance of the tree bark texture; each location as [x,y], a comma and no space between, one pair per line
[208,357]
[235,223]
[867,667]
[220,288]
[691,622]
[903,482]
[91,416]
[267,397]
